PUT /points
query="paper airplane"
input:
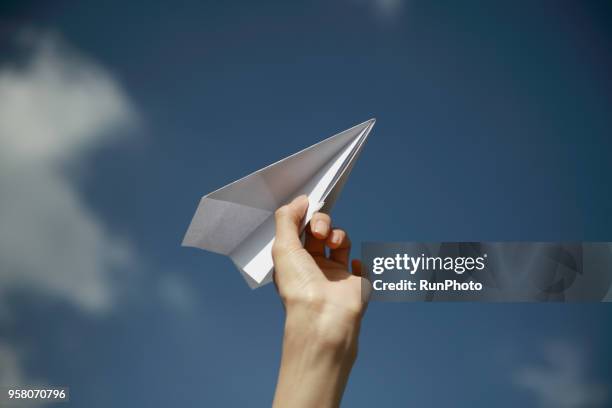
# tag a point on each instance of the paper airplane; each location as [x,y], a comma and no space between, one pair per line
[238,220]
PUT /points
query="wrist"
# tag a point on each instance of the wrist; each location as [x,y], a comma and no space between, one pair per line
[318,353]
[326,328]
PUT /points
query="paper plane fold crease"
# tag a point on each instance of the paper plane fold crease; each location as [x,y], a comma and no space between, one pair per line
[238,220]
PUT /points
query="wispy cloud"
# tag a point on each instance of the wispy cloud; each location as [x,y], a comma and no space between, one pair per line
[54,109]
[10,366]
[563,380]
[11,372]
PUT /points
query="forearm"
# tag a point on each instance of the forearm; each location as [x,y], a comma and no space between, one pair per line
[318,354]
[324,303]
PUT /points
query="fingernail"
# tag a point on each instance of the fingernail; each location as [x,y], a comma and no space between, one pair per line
[320,227]
[336,238]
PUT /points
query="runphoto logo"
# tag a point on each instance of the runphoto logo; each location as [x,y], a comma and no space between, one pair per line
[413,264]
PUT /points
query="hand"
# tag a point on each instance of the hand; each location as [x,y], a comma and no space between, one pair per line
[306,277]
[324,305]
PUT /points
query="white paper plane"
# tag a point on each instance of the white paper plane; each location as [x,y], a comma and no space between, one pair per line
[238,220]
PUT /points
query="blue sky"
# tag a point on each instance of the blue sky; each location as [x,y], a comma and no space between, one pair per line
[493,123]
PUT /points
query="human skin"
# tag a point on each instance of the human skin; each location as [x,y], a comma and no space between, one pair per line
[324,306]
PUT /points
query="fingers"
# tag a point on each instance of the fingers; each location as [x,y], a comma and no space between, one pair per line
[338,239]
[288,219]
[320,225]
[321,234]
[316,233]
[340,246]
[315,246]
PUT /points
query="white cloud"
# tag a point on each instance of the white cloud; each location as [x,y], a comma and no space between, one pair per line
[563,381]
[58,105]
[53,110]
[10,367]
[11,372]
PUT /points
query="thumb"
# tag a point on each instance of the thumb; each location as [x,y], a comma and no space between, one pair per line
[288,219]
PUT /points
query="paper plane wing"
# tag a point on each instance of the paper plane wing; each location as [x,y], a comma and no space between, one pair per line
[238,220]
